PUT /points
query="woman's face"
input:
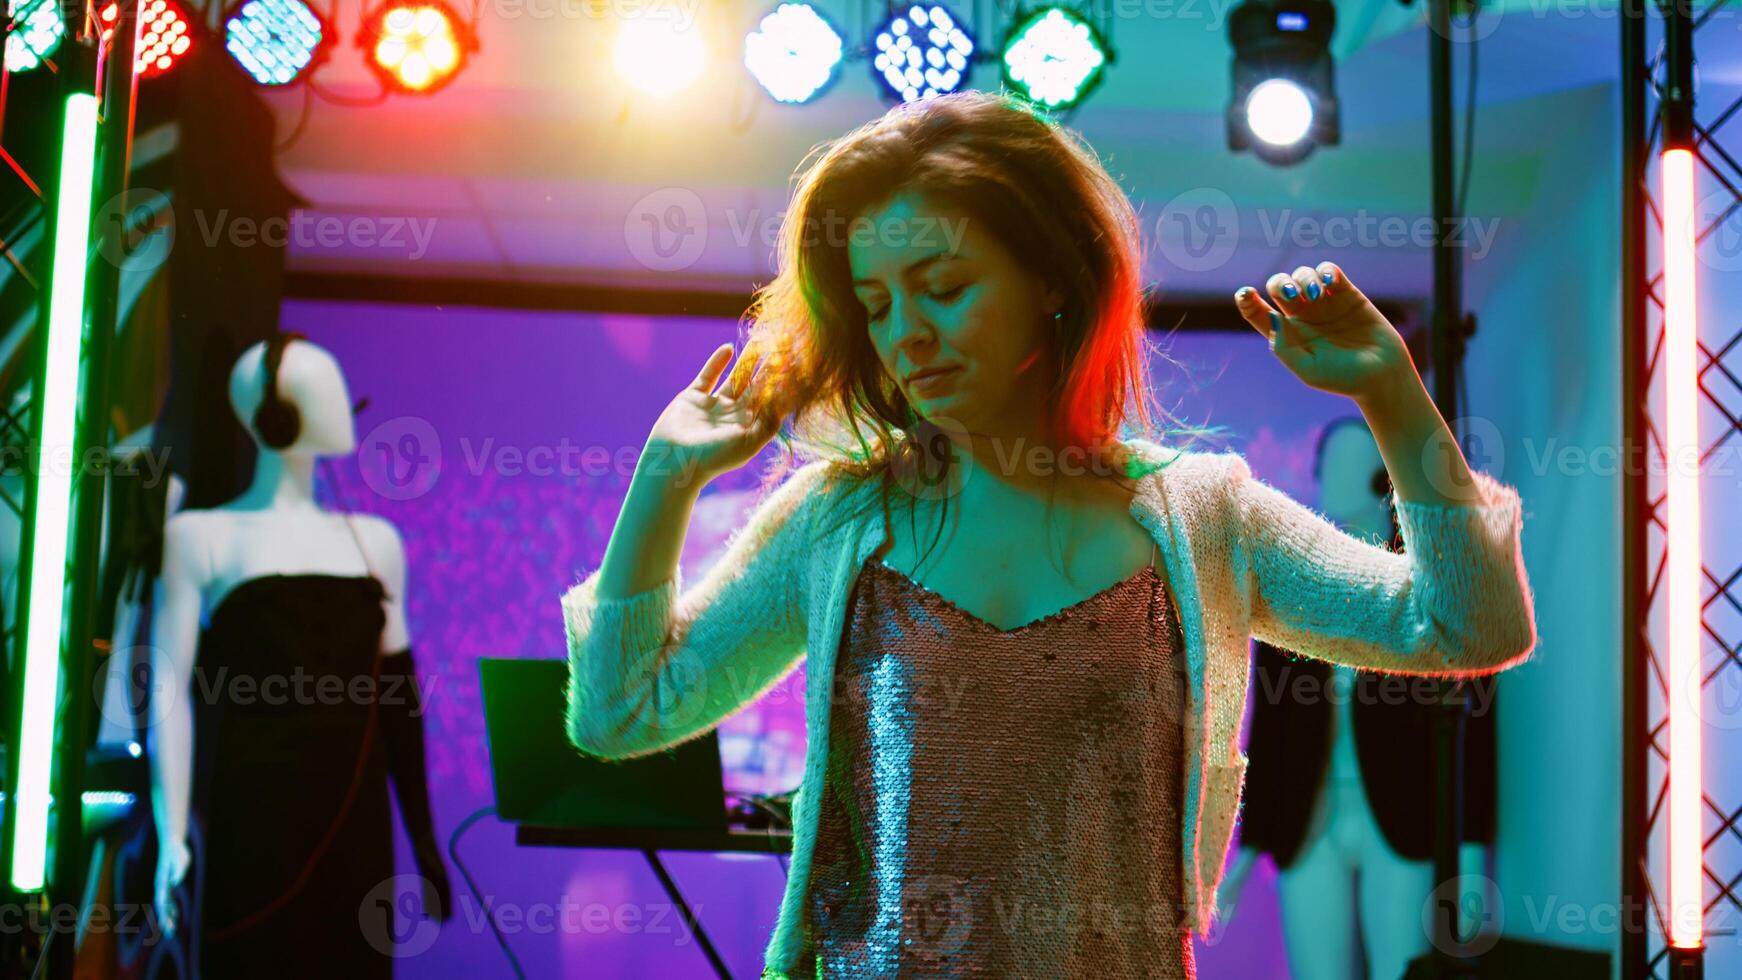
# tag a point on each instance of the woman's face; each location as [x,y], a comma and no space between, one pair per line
[940,291]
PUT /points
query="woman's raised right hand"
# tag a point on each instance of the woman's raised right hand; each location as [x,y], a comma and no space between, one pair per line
[709,430]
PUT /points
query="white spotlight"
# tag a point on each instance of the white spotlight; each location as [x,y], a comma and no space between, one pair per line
[1279,112]
[657,56]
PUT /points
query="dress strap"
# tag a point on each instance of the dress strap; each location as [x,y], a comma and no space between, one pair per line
[1154,552]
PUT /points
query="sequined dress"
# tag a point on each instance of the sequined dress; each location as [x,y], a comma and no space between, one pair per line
[1002,803]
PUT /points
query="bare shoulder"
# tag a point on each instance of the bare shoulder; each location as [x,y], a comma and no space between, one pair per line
[379,535]
[189,537]
[189,527]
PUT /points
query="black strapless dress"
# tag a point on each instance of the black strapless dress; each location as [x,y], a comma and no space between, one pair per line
[293,779]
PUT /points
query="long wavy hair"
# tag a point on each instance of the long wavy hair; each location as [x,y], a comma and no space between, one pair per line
[1041,191]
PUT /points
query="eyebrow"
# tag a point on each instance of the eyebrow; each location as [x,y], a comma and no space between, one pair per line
[911,267]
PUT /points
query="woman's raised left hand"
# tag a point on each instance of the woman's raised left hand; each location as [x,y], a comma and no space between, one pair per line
[1325,330]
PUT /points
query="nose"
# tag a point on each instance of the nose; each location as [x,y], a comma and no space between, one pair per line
[908,326]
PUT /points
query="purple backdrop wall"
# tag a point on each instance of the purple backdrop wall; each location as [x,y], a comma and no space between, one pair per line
[500,443]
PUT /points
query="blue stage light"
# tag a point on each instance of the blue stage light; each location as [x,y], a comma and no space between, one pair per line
[922,52]
[276,41]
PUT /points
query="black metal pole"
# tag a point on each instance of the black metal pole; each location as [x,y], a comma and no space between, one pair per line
[116,86]
[1636,916]
[1448,344]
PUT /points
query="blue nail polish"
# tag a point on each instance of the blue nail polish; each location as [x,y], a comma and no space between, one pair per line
[1327,277]
[1312,291]
[1290,290]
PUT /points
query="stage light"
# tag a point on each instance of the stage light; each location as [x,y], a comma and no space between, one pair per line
[921,52]
[1682,572]
[1284,93]
[37,32]
[416,45]
[163,37]
[1278,112]
[794,53]
[657,56]
[1054,58]
[51,514]
[276,41]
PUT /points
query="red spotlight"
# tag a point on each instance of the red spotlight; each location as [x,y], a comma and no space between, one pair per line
[416,46]
[163,35]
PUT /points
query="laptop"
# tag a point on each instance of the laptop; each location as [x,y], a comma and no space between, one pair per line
[541,779]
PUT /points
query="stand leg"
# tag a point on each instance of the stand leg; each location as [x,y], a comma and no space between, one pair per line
[689,918]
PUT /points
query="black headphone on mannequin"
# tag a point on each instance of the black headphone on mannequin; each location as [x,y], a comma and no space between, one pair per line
[277,421]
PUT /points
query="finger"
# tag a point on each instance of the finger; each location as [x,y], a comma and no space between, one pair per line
[1257,313]
[1306,279]
[1285,293]
[710,371]
[738,381]
[1332,279]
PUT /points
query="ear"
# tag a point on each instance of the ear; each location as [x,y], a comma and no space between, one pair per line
[1055,299]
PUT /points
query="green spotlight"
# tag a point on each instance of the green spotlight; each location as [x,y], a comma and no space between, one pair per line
[1053,58]
[37,29]
[50,519]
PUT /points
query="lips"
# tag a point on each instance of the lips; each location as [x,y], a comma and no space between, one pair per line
[924,373]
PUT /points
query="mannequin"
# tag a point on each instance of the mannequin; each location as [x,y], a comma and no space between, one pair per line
[265,553]
[1342,869]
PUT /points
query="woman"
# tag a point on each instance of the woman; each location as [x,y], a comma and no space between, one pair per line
[1039,774]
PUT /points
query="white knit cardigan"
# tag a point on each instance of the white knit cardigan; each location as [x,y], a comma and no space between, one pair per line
[1243,560]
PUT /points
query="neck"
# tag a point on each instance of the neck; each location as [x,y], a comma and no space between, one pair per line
[281,482]
[1022,458]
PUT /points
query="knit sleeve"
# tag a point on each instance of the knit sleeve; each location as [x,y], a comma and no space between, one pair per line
[666,665]
[1456,601]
